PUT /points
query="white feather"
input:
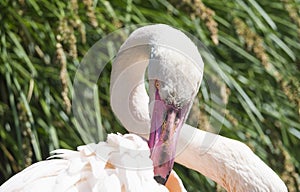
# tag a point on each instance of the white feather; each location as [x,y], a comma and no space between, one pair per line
[120,164]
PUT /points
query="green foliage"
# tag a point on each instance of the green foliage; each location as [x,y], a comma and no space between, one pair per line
[254,57]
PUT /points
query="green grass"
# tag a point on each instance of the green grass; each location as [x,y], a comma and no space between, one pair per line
[254,54]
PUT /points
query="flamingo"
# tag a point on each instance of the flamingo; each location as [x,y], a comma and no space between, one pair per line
[130,163]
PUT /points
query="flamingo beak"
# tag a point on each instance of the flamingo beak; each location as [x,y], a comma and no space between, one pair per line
[166,123]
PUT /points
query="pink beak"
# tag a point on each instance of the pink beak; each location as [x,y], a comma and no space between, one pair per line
[166,123]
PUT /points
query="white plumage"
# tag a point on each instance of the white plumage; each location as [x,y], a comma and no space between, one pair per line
[228,162]
[120,164]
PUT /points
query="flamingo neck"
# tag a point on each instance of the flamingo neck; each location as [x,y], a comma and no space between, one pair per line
[129,99]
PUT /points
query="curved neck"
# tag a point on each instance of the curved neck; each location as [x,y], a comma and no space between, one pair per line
[129,99]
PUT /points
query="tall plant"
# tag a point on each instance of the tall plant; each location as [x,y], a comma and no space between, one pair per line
[254,45]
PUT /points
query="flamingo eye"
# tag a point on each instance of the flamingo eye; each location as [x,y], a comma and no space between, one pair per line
[157,84]
[177,119]
[164,125]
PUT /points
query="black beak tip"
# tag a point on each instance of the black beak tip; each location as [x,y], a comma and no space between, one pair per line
[160,179]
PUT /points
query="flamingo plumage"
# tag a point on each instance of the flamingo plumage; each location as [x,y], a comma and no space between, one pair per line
[91,168]
[175,71]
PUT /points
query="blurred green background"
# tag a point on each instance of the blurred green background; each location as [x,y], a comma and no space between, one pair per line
[255,45]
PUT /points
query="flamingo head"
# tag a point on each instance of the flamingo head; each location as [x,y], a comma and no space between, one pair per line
[175,70]
[174,80]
